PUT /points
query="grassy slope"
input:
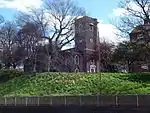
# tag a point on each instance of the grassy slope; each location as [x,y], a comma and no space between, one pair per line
[75,84]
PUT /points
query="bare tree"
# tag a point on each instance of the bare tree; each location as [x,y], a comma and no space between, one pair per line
[55,19]
[29,39]
[127,53]
[8,33]
[36,17]
[135,13]
[103,54]
[62,14]
[135,24]
[56,23]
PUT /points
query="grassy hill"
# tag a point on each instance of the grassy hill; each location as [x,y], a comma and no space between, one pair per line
[76,84]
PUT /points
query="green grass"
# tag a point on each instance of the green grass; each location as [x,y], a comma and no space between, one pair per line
[77,84]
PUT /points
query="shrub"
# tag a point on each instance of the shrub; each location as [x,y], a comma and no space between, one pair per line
[6,74]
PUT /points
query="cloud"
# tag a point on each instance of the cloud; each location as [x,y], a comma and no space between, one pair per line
[117,12]
[115,16]
[108,32]
[21,5]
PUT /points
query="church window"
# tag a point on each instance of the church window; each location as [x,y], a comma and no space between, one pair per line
[76,59]
[66,61]
[76,70]
[80,41]
[92,67]
[92,70]
[91,40]
[92,62]
[140,36]
[91,26]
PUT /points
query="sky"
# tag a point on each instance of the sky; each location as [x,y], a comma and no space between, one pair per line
[103,10]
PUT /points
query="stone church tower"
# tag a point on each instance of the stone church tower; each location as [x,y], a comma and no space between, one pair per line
[78,59]
[86,40]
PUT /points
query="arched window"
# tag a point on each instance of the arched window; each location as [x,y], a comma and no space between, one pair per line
[91,40]
[91,26]
[92,70]
[76,60]
[92,62]
[92,67]
[77,70]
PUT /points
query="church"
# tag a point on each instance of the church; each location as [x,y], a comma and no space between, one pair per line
[83,57]
[78,59]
